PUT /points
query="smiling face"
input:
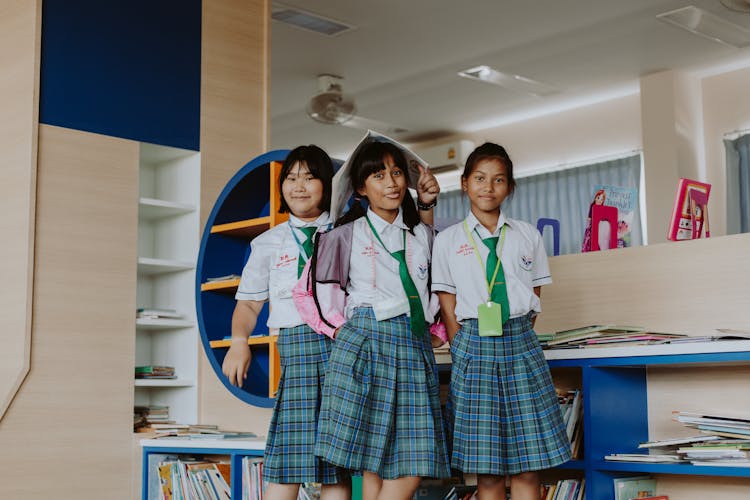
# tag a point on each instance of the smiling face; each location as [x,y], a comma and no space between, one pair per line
[487,186]
[302,192]
[385,189]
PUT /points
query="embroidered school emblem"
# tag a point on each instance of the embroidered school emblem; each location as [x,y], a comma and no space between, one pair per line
[285,260]
[527,262]
[465,249]
[369,251]
[422,271]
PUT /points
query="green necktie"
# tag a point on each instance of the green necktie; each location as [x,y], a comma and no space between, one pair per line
[416,313]
[499,293]
[307,246]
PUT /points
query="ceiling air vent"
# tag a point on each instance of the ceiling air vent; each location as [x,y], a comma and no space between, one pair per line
[707,25]
[308,21]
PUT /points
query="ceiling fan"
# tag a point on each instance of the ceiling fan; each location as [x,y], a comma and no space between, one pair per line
[333,107]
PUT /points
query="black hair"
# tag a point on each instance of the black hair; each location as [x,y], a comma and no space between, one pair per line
[320,166]
[490,150]
[370,159]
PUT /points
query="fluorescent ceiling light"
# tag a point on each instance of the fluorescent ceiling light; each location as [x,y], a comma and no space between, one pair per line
[508,81]
[308,20]
[707,25]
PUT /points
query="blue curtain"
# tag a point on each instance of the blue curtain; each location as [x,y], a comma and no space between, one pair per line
[564,195]
[738,184]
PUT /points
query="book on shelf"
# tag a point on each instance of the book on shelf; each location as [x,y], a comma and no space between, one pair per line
[591,331]
[252,478]
[732,333]
[155,313]
[643,457]
[146,416]
[722,463]
[188,477]
[696,417]
[662,443]
[690,211]
[226,277]
[633,487]
[155,371]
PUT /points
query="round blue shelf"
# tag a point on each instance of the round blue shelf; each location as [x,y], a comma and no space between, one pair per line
[246,196]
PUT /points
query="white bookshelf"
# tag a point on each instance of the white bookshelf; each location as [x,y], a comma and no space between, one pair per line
[168,240]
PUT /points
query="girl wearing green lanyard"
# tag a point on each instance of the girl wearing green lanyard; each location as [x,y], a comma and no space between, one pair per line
[276,260]
[488,271]
[380,412]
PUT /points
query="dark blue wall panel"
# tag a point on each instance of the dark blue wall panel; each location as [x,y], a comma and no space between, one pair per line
[128,69]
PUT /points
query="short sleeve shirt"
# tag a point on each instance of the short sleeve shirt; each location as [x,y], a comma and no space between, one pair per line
[456,270]
[373,273]
[271,270]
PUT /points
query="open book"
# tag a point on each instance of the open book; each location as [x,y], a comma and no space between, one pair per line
[341,188]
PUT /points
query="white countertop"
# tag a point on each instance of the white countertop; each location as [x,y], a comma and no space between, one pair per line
[258,443]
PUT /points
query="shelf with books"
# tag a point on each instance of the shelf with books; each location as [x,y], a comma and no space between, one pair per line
[247,206]
[233,450]
[614,385]
[166,332]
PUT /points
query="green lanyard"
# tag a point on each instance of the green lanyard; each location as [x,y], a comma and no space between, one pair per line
[490,284]
[381,241]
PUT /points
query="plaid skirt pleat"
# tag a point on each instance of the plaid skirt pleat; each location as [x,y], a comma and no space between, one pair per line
[506,416]
[381,407]
[289,454]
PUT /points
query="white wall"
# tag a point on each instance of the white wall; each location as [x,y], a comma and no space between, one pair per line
[571,136]
[678,119]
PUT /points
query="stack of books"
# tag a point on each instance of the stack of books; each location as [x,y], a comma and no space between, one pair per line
[721,453]
[728,444]
[155,372]
[608,336]
[197,431]
[156,313]
[721,425]
[144,417]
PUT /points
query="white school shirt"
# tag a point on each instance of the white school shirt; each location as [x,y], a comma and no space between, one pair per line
[455,268]
[271,270]
[373,273]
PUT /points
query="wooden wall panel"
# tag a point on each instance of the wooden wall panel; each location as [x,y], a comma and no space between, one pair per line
[235,93]
[69,429]
[20,39]
[688,287]
[234,130]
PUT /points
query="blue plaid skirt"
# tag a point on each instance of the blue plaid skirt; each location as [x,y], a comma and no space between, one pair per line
[381,407]
[506,417]
[289,455]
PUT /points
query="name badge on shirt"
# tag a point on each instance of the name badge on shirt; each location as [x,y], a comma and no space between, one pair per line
[490,319]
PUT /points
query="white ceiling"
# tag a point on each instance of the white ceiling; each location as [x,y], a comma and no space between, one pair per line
[400,62]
